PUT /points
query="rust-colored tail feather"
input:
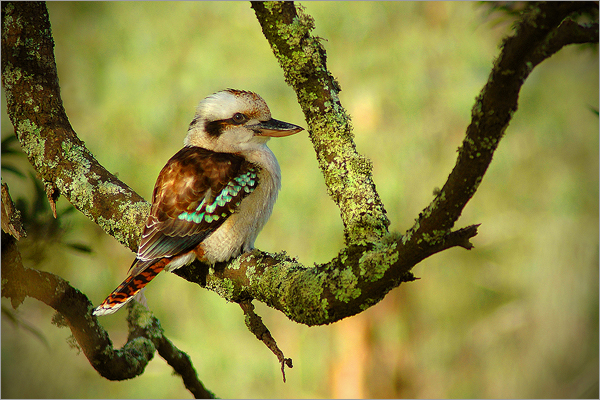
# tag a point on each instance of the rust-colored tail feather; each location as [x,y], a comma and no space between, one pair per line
[131,285]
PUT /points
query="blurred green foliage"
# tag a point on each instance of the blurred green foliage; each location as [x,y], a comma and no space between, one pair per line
[515,317]
[36,214]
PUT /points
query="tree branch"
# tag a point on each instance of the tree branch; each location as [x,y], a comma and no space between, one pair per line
[256,326]
[54,291]
[74,310]
[493,111]
[67,167]
[347,173]
[145,337]
[373,261]
[36,111]
[145,328]
[363,273]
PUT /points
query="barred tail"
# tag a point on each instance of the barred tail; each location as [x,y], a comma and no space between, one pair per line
[131,285]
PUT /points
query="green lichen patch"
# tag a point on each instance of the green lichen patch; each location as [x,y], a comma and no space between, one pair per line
[293,33]
[113,226]
[32,142]
[301,293]
[76,154]
[140,316]
[80,185]
[139,351]
[11,76]
[109,188]
[344,284]
[134,214]
[374,263]
[224,287]
[434,238]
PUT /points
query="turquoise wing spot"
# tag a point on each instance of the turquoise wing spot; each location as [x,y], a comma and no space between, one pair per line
[211,207]
[210,218]
[198,217]
[200,205]
[185,216]
[206,212]
[191,217]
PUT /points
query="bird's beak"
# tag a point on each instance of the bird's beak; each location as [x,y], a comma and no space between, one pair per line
[275,128]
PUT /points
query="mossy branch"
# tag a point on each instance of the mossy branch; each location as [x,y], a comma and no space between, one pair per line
[347,173]
[366,270]
[374,261]
[74,310]
[36,111]
[35,108]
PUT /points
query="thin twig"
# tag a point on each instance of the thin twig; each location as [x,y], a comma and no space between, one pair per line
[258,328]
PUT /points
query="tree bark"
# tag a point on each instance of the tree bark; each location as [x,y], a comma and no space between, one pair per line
[373,261]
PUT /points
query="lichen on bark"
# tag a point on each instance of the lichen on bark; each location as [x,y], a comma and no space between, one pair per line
[373,261]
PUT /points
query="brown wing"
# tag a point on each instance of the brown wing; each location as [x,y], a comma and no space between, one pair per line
[194,194]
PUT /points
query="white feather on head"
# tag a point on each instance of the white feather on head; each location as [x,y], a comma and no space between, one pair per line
[233,138]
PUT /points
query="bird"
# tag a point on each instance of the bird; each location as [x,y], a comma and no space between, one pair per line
[214,196]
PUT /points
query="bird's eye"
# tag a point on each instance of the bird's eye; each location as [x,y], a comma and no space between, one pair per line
[239,118]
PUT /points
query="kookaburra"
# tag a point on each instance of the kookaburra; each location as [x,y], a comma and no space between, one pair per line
[214,196]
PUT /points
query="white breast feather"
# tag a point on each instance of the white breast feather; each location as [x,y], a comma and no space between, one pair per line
[240,230]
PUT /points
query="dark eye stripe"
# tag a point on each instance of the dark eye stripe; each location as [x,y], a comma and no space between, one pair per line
[216,128]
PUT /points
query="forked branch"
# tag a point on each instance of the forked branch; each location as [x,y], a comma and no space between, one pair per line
[373,261]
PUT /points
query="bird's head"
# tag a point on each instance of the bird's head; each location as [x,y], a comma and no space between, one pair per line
[235,121]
